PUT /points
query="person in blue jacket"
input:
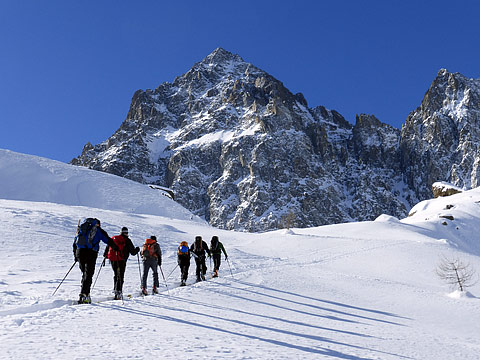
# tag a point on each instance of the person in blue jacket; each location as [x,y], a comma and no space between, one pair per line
[85,249]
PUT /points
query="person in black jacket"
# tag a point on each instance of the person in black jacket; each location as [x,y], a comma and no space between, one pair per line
[183,259]
[85,249]
[216,248]
[198,249]
[118,259]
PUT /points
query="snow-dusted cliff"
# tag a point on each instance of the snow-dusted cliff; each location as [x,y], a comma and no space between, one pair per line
[241,150]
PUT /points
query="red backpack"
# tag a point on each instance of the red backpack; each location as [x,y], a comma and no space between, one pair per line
[119,240]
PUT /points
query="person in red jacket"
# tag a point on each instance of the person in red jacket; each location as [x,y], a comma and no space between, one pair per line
[118,259]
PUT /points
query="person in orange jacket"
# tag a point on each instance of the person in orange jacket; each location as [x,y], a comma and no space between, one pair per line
[152,257]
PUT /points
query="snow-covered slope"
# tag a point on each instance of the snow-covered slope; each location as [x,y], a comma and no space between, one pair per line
[28,177]
[350,291]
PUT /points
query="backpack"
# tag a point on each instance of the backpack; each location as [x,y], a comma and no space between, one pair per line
[183,249]
[119,240]
[214,244]
[86,233]
[149,248]
[198,246]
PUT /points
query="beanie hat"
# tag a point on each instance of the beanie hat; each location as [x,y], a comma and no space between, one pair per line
[153,237]
[124,229]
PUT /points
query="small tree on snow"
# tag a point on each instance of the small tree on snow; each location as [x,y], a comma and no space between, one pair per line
[288,220]
[456,273]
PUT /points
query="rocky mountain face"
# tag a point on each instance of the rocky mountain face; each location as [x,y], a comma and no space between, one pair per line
[241,150]
[440,139]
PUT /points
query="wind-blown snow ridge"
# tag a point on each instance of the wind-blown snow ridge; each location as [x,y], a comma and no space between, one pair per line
[27,177]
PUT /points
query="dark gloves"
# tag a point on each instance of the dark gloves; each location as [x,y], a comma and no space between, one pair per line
[75,252]
[226,257]
[136,251]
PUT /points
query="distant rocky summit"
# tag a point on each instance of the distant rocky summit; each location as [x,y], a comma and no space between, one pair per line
[242,151]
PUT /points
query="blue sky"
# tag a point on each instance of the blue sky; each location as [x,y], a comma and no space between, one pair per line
[68,69]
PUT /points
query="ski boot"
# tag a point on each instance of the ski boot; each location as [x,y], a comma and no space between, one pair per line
[81,299]
[118,295]
[215,274]
[155,290]
[144,291]
[182,283]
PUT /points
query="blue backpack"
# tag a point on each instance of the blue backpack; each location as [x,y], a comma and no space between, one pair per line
[86,234]
[183,248]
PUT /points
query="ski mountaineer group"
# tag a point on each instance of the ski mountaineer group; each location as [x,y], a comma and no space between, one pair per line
[87,244]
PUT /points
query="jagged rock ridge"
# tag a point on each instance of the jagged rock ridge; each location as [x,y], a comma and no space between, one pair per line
[241,150]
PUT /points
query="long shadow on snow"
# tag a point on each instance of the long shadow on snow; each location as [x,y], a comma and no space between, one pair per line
[330,317]
[379,312]
[302,304]
[285,332]
[290,322]
[322,351]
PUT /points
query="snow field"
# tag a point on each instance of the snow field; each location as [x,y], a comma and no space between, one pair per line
[350,291]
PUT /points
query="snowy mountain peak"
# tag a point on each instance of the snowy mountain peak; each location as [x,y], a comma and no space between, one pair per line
[220,55]
[242,151]
[442,135]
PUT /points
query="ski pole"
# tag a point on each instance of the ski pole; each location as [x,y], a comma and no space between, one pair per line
[98,274]
[139,272]
[68,272]
[164,279]
[171,272]
[228,262]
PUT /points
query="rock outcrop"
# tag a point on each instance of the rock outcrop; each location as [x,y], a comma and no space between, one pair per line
[242,151]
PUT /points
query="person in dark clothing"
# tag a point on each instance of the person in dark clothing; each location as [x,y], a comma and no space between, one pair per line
[183,259]
[118,259]
[152,257]
[85,249]
[216,248]
[198,249]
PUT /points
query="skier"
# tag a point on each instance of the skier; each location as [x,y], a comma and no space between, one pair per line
[216,248]
[183,259]
[118,259]
[152,257]
[85,250]
[198,249]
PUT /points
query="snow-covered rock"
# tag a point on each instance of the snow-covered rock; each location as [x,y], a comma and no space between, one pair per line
[443,188]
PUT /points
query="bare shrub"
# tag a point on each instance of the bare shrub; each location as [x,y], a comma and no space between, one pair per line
[456,272]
